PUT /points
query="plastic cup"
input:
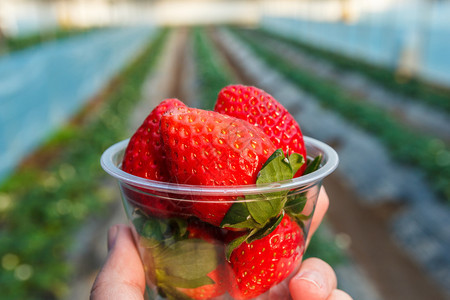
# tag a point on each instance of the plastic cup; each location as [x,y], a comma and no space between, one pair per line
[185,257]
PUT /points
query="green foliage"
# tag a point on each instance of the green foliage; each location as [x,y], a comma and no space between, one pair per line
[431,155]
[212,72]
[419,90]
[41,210]
[325,248]
[23,42]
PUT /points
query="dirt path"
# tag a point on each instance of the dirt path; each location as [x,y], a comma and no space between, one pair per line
[392,272]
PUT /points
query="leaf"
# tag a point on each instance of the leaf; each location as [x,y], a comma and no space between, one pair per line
[189,259]
[253,235]
[313,165]
[237,214]
[295,203]
[262,213]
[275,154]
[150,228]
[276,168]
[233,245]
[296,161]
[266,230]
[301,218]
[263,210]
[249,224]
[161,230]
[178,227]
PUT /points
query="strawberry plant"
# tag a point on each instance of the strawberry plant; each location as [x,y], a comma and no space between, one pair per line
[416,88]
[213,73]
[47,206]
[12,44]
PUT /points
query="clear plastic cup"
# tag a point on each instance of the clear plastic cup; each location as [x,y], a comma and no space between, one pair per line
[186,258]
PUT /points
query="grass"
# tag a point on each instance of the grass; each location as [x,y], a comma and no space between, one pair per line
[41,209]
[405,145]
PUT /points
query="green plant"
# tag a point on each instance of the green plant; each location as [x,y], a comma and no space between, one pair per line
[405,145]
[13,44]
[213,74]
[416,88]
[43,208]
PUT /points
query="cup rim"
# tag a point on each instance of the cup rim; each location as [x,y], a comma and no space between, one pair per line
[110,163]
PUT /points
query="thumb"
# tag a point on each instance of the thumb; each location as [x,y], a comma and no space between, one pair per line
[122,276]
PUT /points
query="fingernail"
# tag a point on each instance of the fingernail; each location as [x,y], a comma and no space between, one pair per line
[312,276]
[112,236]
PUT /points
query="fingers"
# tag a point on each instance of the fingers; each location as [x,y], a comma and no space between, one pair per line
[321,208]
[339,295]
[122,276]
[315,280]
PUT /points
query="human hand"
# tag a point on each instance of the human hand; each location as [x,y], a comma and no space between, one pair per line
[123,277]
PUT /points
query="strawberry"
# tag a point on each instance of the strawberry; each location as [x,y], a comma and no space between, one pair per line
[186,257]
[144,157]
[205,232]
[263,263]
[208,148]
[262,110]
[209,291]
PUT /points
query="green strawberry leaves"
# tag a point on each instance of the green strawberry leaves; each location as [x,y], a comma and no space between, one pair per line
[276,168]
[295,203]
[182,258]
[266,230]
[159,231]
[238,216]
[257,210]
[186,263]
[260,214]
[313,165]
[179,261]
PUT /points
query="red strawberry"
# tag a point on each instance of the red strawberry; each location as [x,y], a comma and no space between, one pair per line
[262,110]
[144,157]
[208,148]
[210,291]
[266,262]
[184,258]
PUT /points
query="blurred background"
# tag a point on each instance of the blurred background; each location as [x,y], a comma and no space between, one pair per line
[369,77]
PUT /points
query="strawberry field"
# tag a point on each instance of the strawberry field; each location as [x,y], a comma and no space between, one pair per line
[60,196]
[30,40]
[45,204]
[404,144]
